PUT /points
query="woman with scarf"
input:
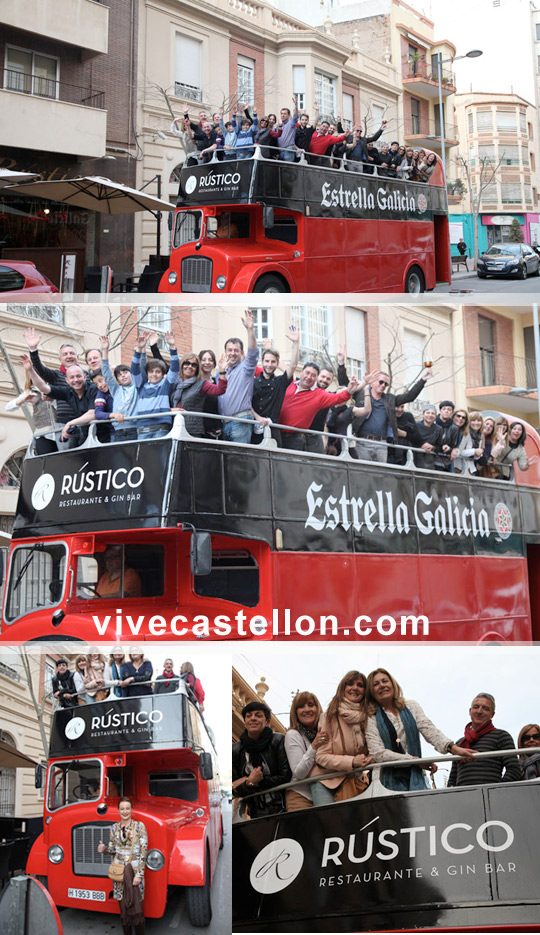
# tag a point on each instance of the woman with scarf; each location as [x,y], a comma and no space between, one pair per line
[470,450]
[191,389]
[128,842]
[529,737]
[489,440]
[302,741]
[259,763]
[393,733]
[94,680]
[512,449]
[113,672]
[345,745]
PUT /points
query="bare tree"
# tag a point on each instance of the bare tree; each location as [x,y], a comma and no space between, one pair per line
[485,175]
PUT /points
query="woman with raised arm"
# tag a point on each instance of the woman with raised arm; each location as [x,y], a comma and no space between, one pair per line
[393,732]
[128,842]
[192,388]
[510,450]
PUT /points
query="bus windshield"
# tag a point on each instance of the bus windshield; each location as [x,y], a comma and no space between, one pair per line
[73,781]
[37,578]
[187,227]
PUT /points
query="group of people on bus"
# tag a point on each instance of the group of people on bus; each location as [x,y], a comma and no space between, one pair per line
[368,722]
[324,141]
[94,678]
[139,402]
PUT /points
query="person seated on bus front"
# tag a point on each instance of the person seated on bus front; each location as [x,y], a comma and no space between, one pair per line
[187,674]
[511,449]
[302,740]
[259,762]
[393,733]
[166,682]
[303,400]
[482,737]
[63,685]
[240,372]
[153,393]
[77,393]
[137,674]
[430,436]
[118,580]
[123,391]
[226,228]
[380,423]
[191,389]
[529,738]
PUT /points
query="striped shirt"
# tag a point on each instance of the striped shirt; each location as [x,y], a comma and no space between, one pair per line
[480,772]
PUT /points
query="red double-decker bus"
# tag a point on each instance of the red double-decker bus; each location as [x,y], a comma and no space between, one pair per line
[264,225]
[251,541]
[157,750]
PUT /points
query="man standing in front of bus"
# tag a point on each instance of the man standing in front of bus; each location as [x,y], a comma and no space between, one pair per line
[240,372]
[482,737]
[373,429]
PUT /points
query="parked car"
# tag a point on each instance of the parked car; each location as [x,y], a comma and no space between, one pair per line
[508,259]
[19,278]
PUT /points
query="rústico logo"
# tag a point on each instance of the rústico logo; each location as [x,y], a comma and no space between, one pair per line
[75,728]
[191,184]
[42,492]
[276,866]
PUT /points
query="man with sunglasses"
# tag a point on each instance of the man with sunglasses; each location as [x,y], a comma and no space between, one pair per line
[481,736]
[373,429]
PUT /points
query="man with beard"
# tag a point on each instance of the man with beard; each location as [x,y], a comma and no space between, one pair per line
[269,389]
[481,736]
[259,762]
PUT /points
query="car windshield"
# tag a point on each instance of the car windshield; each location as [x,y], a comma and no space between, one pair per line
[37,576]
[504,249]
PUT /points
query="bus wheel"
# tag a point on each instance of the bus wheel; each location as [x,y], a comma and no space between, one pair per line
[198,900]
[270,283]
[222,841]
[415,282]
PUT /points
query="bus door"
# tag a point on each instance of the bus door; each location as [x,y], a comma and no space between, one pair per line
[533,571]
[441,238]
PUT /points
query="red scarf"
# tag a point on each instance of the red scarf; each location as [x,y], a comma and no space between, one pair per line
[472,735]
[169,676]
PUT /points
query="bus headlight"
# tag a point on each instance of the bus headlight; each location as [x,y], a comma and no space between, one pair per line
[221,282]
[172,277]
[155,860]
[55,854]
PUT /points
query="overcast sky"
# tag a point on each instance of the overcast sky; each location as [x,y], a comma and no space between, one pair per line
[443,680]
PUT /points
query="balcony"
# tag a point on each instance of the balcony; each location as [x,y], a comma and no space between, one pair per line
[39,113]
[420,79]
[491,376]
[419,132]
[80,23]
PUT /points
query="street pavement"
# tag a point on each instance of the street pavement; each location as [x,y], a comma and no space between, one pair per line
[469,282]
[175,921]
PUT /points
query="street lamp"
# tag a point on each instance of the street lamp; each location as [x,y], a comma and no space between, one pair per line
[474,53]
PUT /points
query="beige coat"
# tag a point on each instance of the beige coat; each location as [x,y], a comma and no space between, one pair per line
[332,756]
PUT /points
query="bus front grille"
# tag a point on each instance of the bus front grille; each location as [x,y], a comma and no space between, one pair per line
[196,274]
[86,859]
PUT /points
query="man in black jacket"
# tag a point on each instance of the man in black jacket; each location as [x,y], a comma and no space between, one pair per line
[481,737]
[259,762]
[63,685]
[381,422]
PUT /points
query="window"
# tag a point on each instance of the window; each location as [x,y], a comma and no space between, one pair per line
[355,330]
[348,111]
[325,94]
[472,156]
[30,73]
[414,59]
[315,325]
[490,194]
[7,782]
[299,85]
[10,279]
[484,121]
[528,194]
[435,67]
[413,350]
[130,571]
[530,131]
[506,120]
[470,118]
[155,318]
[245,85]
[234,577]
[486,340]
[285,228]
[509,155]
[525,157]
[511,193]
[538,63]
[49,674]
[36,578]
[75,781]
[174,784]
[262,318]
[486,152]
[537,30]
[437,113]
[535,196]
[187,84]
[377,114]
[415,116]
[522,122]
[187,227]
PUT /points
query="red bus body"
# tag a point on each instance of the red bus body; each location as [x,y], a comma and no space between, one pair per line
[307,229]
[292,534]
[184,827]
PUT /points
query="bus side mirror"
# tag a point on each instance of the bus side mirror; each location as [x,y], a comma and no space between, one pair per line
[268,218]
[205,765]
[201,553]
[38,776]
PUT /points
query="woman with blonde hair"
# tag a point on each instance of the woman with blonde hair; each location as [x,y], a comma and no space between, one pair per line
[393,732]
[94,680]
[529,737]
[302,740]
[113,672]
[78,678]
[470,449]
[343,727]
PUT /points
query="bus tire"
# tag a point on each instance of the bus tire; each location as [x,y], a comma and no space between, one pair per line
[198,900]
[415,282]
[222,840]
[271,283]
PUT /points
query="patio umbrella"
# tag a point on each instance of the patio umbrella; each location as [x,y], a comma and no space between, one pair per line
[10,756]
[94,194]
[10,177]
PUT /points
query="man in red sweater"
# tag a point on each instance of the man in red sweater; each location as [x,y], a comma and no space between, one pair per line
[322,141]
[303,400]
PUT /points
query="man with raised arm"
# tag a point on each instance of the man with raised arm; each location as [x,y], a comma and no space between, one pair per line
[302,401]
[240,371]
[287,125]
[153,392]
[68,358]
[374,427]
[269,389]
[123,392]
[482,737]
[76,393]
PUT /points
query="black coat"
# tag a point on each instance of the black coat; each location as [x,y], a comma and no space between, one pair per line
[390,402]
[279,772]
[65,685]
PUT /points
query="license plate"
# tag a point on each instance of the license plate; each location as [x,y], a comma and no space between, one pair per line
[95,895]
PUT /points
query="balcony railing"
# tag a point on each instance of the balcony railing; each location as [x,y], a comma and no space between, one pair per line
[187,92]
[424,71]
[488,368]
[37,86]
[418,126]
